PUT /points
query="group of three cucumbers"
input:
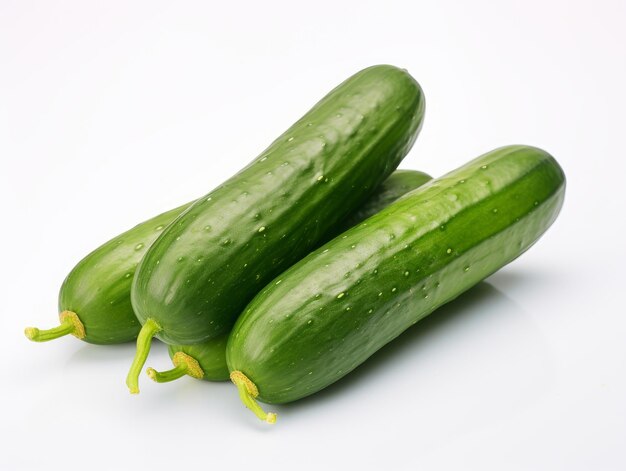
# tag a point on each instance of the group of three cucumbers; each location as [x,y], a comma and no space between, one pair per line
[294,271]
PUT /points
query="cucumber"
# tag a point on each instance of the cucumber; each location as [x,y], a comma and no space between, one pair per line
[329,312]
[207,360]
[94,300]
[197,277]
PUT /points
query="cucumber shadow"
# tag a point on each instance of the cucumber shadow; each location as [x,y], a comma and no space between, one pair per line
[467,304]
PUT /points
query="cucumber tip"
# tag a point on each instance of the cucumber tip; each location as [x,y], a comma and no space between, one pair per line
[151,372]
[31,332]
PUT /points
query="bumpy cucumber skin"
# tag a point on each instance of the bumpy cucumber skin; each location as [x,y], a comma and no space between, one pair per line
[206,266]
[98,287]
[329,312]
[211,355]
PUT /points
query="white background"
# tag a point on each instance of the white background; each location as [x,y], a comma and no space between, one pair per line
[111,112]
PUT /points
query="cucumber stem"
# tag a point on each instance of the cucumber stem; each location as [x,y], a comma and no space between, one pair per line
[69,324]
[183,365]
[36,335]
[149,329]
[248,392]
[166,376]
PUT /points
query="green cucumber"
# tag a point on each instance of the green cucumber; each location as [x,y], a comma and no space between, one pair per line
[94,300]
[207,360]
[197,277]
[329,312]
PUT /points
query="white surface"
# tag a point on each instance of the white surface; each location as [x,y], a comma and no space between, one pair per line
[111,112]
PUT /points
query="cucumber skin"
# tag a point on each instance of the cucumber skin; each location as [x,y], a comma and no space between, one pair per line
[98,287]
[398,184]
[329,312]
[211,355]
[206,266]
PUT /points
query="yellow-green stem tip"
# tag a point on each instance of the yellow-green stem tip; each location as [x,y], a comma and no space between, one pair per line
[31,332]
[151,372]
